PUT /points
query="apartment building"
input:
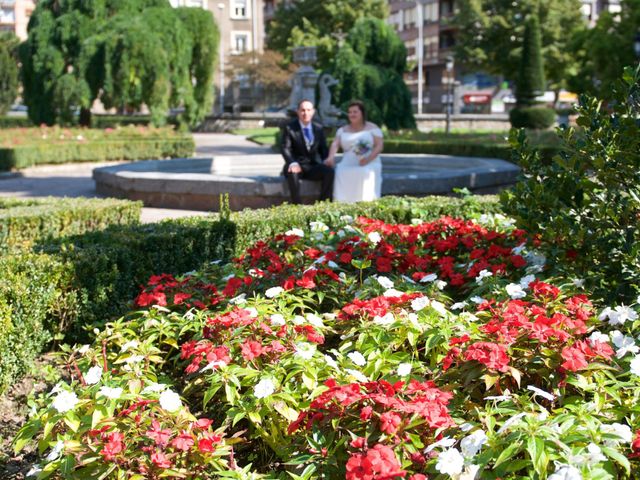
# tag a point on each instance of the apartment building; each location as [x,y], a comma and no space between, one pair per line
[14,16]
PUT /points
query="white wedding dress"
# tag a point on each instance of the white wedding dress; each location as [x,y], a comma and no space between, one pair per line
[354,182]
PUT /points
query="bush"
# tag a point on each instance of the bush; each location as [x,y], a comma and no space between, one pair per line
[585,203]
[25,222]
[15,122]
[9,81]
[537,118]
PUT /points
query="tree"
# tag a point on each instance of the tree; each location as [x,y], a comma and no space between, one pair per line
[605,50]
[370,67]
[530,82]
[8,71]
[320,24]
[490,34]
[124,53]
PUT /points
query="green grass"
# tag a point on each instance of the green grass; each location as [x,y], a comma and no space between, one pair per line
[261,136]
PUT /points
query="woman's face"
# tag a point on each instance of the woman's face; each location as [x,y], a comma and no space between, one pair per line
[355,116]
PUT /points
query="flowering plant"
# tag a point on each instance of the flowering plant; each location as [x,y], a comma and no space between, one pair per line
[361,148]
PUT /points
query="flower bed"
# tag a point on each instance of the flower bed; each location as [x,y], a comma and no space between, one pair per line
[366,351]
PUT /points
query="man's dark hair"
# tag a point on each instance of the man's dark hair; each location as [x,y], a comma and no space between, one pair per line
[304,100]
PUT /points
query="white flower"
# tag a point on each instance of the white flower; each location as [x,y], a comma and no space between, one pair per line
[273,292]
[134,359]
[445,442]
[519,249]
[638,300]
[392,292]
[305,350]
[298,320]
[386,320]
[332,264]
[499,398]
[318,227]
[113,393]
[34,471]
[565,472]
[55,451]
[623,343]
[592,456]
[440,284]
[295,231]
[65,401]
[622,314]
[541,393]
[374,237]
[128,345]
[153,388]
[357,358]
[170,401]
[407,279]
[253,312]
[346,219]
[482,275]
[331,362]
[513,420]
[384,282]
[264,388]
[93,375]
[404,369]
[429,278]
[314,320]
[419,303]
[240,299]
[536,259]
[459,305]
[619,430]
[477,300]
[515,291]
[359,376]
[213,365]
[526,280]
[84,349]
[277,320]
[471,444]
[635,365]
[450,462]
[598,337]
[543,415]
[578,282]
[439,307]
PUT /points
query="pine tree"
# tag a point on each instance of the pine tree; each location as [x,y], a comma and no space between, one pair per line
[531,81]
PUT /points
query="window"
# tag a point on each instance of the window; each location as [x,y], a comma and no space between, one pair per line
[7,15]
[431,12]
[239,9]
[240,42]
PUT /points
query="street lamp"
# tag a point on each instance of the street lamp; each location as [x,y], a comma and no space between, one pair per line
[449,66]
[420,51]
[636,44]
[221,8]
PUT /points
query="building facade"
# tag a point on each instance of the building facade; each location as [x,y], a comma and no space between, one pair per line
[14,16]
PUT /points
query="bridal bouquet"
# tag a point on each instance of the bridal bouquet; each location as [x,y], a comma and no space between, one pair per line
[361,148]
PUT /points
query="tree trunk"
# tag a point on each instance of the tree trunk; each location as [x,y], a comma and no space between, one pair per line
[85,117]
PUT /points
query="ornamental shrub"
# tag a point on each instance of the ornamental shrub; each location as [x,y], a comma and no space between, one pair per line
[537,118]
[8,71]
[585,203]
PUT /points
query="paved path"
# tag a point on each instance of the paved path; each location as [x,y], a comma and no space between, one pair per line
[74,180]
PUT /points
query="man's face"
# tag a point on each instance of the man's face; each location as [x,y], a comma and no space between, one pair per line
[305,112]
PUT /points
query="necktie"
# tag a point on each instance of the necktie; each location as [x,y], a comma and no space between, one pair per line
[307,135]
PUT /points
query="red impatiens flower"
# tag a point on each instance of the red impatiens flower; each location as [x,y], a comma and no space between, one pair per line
[113,446]
[389,422]
[183,442]
[491,355]
[207,444]
[379,463]
[251,349]
[158,435]
[160,460]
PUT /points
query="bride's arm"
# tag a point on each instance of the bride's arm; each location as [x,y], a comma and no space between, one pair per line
[378,146]
[333,150]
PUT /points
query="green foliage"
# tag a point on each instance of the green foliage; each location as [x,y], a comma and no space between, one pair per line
[370,67]
[532,117]
[124,54]
[320,24]
[490,33]
[14,122]
[32,293]
[603,51]
[24,222]
[585,203]
[8,71]
[530,82]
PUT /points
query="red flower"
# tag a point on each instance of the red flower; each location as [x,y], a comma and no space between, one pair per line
[389,422]
[358,442]
[113,446]
[202,423]
[160,460]
[491,355]
[207,443]
[161,437]
[574,359]
[365,413]
[251,349]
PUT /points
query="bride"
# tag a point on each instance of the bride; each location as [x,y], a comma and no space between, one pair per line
[358,176]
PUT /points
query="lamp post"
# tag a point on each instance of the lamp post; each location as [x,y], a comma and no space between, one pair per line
[449,65]
[636,44]
[420,52]
[221,8]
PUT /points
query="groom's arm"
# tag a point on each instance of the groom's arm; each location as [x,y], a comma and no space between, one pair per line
[287,149]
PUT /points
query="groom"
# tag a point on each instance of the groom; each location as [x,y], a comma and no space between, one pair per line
[304,148]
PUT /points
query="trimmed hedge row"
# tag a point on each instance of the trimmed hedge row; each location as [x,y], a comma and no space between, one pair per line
[26,221]
[15,122]
[121,149]
[90,278]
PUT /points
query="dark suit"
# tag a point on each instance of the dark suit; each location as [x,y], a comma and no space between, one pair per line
[309,157]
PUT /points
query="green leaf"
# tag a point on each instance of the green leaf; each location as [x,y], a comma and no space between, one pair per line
[507,453]
[25,435]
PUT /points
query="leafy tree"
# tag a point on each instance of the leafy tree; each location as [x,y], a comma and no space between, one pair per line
[490,34]
[370,67]
[604,50]
[530,81]
[8,71]
[124,53]
[320,24]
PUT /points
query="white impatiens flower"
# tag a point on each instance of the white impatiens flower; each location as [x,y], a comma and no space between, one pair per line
[541,393]
[357,358]
[305,350]
[432,277]
[329,360]
[439,307]
[511,421]
[635,365]
[471,444]
[314,320]
[482,275]
[593,455]
[113,393]
[384,282]
[128,345]
[440,284]
[34,471]
[618,315]
[419,303]
[84,349]
[515,291]
[318,227]
[348,219]
[385,320]
[273,292]
[477,300]
[392,292]
[623,432]
[277,320]
[519,249]
[597,336]
[239,300]
[527,280]
[93,375]
[295,231]
[565,472]
[459,305]
[359,376]
[578,282]
[404,369]
[65,401]
[55,451]
[444,442]
[253,312]
[450,462]
[153,388]
[170,401]
[374,237]
[264,388]
[624,344]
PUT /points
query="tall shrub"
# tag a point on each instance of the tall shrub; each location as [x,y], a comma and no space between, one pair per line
[8,71]
[585,204]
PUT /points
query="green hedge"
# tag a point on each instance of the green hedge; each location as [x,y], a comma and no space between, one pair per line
[26,221]
[15,122]
[537,118]
[121,149]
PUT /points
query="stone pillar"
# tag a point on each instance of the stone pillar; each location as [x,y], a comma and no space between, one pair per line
[304,81]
